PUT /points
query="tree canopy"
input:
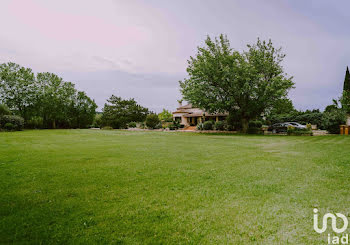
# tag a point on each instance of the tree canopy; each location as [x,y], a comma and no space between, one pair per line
[165,116]
[44,98]
[242,83]
[18,88]
[118,112]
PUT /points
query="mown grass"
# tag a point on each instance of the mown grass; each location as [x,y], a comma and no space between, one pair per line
[92,186]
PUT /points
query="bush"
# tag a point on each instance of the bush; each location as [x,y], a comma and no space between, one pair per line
[175,125]
[16,121]
[4,110]
[142,125]
[208,125]
[254,127]
[333,119]
[35,123]
[230,127]
[253,130]
[158,126]
[9,126]
[132,125]
[107,128]
[220,125]
[172,127]
[298,131]
[152,121]
[200,126]
[255,124]
[309,126]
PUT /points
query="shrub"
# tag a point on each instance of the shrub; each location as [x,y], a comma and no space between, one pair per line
[116,124]
[142,125]
[255,124]
[254,131]
[298,131]
[107,128]
[35,122]
[4,110]
[9,126]
[175,125]
[16,121]
[132,125]
[220,125]
[332,120]
[230,127]
[254,127]
[158,126]
[152,121]
[200,126]
[172,127]
[308,126]
[208,125]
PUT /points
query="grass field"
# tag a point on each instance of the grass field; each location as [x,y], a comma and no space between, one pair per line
[94,186]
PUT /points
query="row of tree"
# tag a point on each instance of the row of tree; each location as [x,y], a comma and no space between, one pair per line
[123,113]
[44,100]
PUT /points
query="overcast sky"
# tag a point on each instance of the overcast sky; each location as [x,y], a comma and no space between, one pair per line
[139,49]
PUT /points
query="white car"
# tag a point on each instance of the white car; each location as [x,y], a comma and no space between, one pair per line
[296,125]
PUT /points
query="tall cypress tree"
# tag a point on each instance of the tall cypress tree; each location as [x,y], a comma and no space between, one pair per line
[345,101]
[347,81]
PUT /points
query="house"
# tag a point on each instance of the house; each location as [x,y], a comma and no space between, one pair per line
[191,116]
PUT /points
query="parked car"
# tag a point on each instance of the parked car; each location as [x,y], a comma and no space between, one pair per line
[278,127]
[282,127]
[297,125]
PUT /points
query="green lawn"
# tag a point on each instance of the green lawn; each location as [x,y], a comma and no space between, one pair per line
[94,186]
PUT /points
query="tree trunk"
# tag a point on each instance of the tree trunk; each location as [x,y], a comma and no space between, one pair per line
[54,124]
[244,123]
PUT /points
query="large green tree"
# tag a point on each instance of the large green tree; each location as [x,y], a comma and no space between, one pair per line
[245,83]
[118,112]
[18,88]
[56,99]
[84,110]
[282,106]
[165,116]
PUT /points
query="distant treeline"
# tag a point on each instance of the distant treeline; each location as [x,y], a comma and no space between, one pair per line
[44,100]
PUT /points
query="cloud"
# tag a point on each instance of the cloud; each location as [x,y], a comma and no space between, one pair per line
[155,91]
[144,46]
